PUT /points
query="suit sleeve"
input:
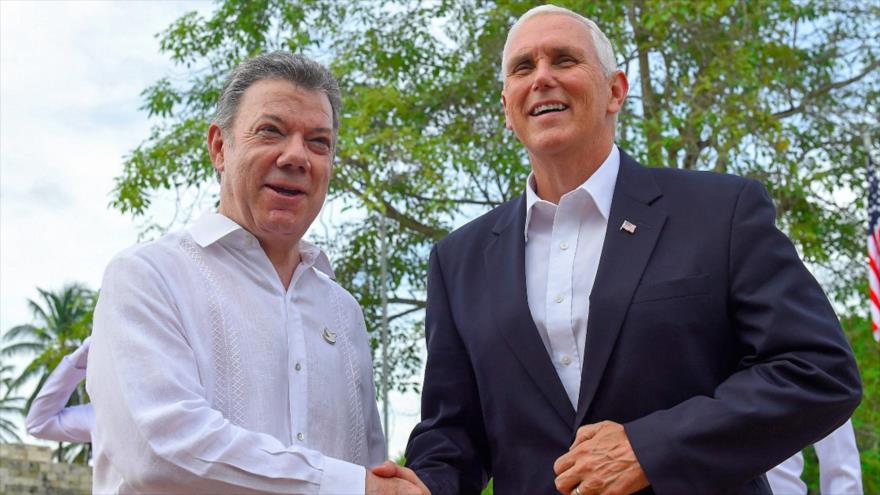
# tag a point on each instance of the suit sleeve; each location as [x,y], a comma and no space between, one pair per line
[796,378]
[448,449]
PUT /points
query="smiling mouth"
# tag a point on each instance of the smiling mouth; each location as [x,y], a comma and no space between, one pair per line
[548,108]
[284,191]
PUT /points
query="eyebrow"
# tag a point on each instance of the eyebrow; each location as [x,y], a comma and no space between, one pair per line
[280,121]
[526,55]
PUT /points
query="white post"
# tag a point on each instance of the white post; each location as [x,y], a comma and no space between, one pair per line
[383,277]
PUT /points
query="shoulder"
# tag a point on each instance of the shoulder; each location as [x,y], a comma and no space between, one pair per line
[697,181]
[146,277]
[152,259]
[479,228]
[694,189]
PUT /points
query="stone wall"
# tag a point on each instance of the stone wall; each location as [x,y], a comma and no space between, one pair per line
[28,469]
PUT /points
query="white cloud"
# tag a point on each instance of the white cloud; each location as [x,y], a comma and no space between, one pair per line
[71,74]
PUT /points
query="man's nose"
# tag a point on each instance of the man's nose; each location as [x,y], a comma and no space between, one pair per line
[543,75]
[295,154]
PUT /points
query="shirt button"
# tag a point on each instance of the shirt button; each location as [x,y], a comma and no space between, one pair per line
[563,246]
[297,366]
[565,360]
[300,436]
[559,298]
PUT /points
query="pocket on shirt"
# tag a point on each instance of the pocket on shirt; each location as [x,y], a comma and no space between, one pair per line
[696,285]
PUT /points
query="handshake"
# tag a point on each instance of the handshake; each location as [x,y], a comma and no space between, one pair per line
[600,460]
[389,478]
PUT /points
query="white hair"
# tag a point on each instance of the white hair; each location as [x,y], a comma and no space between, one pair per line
[603,48]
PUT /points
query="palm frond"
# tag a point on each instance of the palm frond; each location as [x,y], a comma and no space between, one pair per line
[28,330]
[21,348]
[8,432]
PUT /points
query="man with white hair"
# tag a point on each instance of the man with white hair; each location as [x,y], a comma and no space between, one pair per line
[617,328]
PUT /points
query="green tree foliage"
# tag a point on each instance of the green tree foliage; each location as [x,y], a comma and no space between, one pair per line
[778,90]
[63,319]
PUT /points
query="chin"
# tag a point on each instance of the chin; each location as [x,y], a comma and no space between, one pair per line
[283,229]
[549,144]
[280,227]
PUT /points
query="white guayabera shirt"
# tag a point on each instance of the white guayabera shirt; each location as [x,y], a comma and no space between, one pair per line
[207,376]
[47,418]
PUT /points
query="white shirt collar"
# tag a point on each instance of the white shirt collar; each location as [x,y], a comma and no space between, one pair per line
[600,186]
[213,226]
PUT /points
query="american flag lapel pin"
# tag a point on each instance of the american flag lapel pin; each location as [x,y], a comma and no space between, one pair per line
[628,226]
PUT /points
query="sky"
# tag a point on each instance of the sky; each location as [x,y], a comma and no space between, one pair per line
[71,74]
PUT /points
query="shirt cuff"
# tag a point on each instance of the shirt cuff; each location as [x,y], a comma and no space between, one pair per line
[342,478]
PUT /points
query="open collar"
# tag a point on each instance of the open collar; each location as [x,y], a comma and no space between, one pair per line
[213,226]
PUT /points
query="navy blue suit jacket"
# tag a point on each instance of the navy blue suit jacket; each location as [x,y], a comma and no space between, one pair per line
[707,339]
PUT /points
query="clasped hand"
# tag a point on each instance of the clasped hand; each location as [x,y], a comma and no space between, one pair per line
[600,461]
[389,478]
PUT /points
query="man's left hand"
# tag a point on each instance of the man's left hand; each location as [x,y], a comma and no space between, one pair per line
[600,461]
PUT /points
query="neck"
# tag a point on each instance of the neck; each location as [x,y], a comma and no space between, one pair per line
[556,175]
[285,258]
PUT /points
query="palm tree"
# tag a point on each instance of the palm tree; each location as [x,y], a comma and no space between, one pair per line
[9,404]
[63,320]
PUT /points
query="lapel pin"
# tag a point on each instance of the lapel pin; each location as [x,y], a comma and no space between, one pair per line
[329,336]
[629,227]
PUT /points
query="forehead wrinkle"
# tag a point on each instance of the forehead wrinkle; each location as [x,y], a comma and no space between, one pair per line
[262,117]
[270,116]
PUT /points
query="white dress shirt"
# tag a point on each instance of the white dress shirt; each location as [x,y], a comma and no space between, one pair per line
[840,471]
[208,376]
[47,417]
[563,245]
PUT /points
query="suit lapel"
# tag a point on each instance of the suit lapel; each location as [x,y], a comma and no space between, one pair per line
[505,273]
[624,257]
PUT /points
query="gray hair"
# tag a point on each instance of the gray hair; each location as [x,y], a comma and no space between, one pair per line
[296,69]
[604,51]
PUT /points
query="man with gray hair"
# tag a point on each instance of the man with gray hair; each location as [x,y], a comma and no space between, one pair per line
[225,358]
[617,328]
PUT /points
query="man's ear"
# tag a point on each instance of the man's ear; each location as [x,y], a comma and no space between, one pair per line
[215,146]
[506,117]
[619,89]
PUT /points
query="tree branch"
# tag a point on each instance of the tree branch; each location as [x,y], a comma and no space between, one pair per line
[403,313]
[390,211]
[400,300]
[649,109]
[793,110]
[410,223]
[464,201]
